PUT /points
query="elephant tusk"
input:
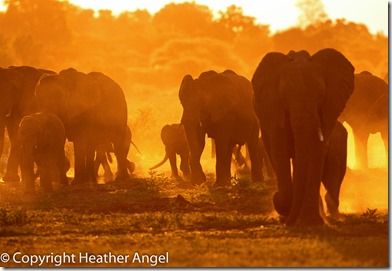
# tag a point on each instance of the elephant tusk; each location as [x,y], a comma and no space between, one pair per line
[320,134]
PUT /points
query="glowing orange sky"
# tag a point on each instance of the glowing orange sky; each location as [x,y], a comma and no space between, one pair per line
[280,14]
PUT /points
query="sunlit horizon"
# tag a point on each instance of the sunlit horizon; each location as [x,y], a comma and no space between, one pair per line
[279,14]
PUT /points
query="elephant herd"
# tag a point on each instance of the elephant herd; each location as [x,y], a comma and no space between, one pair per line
[293,107]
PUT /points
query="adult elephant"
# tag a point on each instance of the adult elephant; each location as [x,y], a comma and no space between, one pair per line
[94,111]
[221,106]
[174,138]
[298,99]
[367,113]
[41,139]
[17,84]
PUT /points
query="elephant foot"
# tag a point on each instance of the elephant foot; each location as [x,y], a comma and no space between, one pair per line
[198,180]
[305,220]
[108,177]
[122,177]
[11,178]
[79,181]
[130,167]
[282,205]
[332,205]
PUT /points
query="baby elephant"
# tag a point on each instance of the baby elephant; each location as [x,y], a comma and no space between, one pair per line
[174,139]
[41,139]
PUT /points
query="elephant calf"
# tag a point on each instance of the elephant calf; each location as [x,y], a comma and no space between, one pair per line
[174,138]
[41,139]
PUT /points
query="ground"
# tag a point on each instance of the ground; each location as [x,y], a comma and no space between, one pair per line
[197,226]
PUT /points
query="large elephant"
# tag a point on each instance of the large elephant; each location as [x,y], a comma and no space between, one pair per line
[221,105]
[298,99]
[17,86]
[94,111]
[40,140]
[367,112]
[174,138]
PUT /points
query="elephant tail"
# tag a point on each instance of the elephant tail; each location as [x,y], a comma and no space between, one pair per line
[137,149]
[160,163]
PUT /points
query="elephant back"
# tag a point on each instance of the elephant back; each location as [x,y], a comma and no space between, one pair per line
[223,93]
[173,134]
[112,99]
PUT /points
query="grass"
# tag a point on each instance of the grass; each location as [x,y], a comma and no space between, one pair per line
[198,226]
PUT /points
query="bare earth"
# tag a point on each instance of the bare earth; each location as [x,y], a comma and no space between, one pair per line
[199,226]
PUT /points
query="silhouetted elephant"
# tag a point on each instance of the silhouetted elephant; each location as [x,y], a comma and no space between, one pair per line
[298,99]
[17,85]
[367,112]
[41,139]
[94,111]
[221,105]
[103,157]
[174,138]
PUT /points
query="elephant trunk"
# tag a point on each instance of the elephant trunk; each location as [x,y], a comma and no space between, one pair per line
[309,153]
[196,141]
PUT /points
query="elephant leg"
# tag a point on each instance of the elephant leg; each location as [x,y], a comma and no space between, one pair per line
[27,172]
[47,174]
[278,150]
[361,139]
[130,166]
[184,166]
[255,158]
[11,174]
[266,162]
[335,168]
[197,173]
[108,171]
[121,155]
[90,173]
[223,162]
[62,167]
[80,162]
[173,162]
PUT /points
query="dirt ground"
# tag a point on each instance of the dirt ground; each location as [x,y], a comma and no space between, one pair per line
[197,227]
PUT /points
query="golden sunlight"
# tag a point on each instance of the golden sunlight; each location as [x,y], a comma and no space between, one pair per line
[279,14]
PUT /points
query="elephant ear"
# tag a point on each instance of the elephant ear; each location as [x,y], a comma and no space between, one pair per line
[265,82]
[338,74]
[185,92]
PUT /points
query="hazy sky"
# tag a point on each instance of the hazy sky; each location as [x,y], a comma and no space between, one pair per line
[279,14]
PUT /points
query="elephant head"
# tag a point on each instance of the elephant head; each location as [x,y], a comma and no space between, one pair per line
[298,99]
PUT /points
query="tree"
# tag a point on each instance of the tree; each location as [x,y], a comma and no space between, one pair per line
[311,12]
